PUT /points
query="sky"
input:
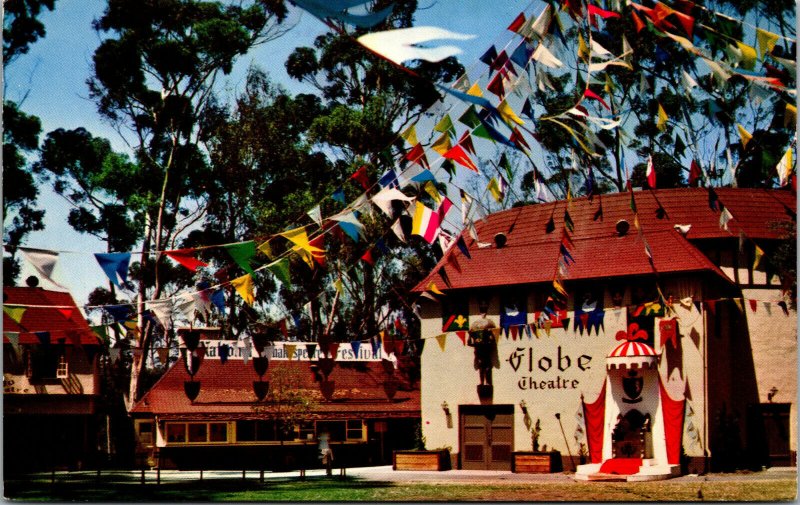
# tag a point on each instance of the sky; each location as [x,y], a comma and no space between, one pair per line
[50,82]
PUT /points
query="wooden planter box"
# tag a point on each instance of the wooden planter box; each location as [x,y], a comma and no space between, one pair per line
[536,462]
[421,460]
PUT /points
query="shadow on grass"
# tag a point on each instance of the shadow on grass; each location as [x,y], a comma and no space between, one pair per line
[130,490]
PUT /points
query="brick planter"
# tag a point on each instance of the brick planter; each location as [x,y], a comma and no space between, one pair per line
[421,460]
[536,462]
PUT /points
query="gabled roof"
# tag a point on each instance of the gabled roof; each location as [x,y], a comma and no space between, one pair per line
[531,254]
[53,312]
[226,391]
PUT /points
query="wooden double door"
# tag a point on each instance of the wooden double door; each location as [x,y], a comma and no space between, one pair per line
[486,435]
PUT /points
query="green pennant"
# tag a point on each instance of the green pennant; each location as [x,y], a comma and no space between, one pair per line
[280,269]
[680,147]
[503,163]
[102,331]
[482,132]
[446,126]
[470,117]
[242,254]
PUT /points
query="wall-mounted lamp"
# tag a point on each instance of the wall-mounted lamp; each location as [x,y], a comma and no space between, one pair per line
[524,407]
[446,408]
[772,393]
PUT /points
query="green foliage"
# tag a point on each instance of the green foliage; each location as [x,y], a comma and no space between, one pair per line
[21,26]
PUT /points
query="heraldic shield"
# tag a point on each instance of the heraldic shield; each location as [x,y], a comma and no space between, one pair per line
[632,385]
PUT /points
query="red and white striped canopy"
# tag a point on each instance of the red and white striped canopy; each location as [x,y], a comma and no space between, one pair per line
[631,353]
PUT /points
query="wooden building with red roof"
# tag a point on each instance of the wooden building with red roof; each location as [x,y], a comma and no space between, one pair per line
[51,384]
[234,412]
[688,273]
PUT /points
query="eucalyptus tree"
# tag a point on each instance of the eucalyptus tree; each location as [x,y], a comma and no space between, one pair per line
[21,28]
[154,72]
[367,102]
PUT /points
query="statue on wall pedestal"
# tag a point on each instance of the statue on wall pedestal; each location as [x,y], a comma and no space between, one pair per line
[482,339]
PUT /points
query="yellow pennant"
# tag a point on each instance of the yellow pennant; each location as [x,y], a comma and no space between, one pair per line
[430,188]
[662,118]
[494,189]
[442,339]
[442,144]
[15,313]
[744,135]
[302,247]
[475,90]
[266,248]
[410,135]
[244,286]
[748,55]
[766,41]
[508,114]
[290,350]
[759,253]
[433,289]
[784,167]
[790,116]
[583,49]
[739,304]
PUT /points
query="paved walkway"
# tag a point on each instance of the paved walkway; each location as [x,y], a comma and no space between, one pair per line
[379,473]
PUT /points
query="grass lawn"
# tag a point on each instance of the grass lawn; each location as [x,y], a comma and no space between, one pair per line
[351,489]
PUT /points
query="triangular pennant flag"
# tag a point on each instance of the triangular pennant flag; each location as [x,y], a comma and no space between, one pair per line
[442,144]
[361,177]
[546,58]
[244,286]
[163,311]
[302,246]
[784,167]
[753,305]
[433,289]
[759,253]
[280,269]
[15,313]
[445,125]
[661,124]
[457,154]
[441,339]
[338,195]
[315,214]
[405,44]
[494,189]
[383,199]
[397,228]
[350,225]
[242,253]
[744,135]
[115,266]
[43,261]
[186,257]
[766,41]
[290,350]
[651,173]
[356,346]
[410,135]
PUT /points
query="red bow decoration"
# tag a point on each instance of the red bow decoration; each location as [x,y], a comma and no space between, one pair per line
[633,333]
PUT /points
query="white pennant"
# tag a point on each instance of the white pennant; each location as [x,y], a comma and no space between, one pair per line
[43,261]
[401,45]
[163,311]
[383,199]
[316,215]
[398,230]
[546,58]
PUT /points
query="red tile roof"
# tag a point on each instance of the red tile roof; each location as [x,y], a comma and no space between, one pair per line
[226,391]
[54,312]
[531,254]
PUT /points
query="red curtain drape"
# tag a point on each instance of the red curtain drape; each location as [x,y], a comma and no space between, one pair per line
[673,423]
[594,414]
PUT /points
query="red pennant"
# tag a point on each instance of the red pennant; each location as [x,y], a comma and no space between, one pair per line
[518,140]
[514,331]
[753,305]
[360,175]
[186,258]
[496,86]
[588,93]
[637,22]
[694,174]
[67,313]
[593,9]
[668,328]
[283,328]
[417,155]
[517,23]
[466,142]
[367,257]
[457,154]
[463,336]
